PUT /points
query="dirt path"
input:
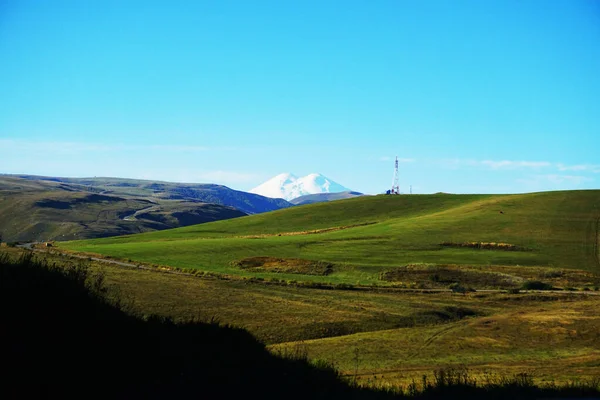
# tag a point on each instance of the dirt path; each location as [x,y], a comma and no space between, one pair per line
[300,233]
[132,217]
[436,335]
[31,246]
[441,333]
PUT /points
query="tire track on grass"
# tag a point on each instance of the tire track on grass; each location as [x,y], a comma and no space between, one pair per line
[436,335]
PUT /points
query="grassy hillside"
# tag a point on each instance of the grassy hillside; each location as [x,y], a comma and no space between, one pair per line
[366,237]
[386,337]
[385,334]
[248,203]
[46,210]
[557,337]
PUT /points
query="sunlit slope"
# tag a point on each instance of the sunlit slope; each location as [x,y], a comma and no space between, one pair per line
[342,213]
[554,228]
[547,338]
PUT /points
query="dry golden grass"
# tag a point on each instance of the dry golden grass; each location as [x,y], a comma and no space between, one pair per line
[553,337]
[395,336]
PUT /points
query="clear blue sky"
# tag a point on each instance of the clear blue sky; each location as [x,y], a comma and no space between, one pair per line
[473,96]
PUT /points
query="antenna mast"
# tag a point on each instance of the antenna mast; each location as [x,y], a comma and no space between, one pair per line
[395,186]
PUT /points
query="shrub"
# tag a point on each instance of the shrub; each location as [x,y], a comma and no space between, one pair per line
[458,288]
[554,273]
[343,286]
[536,285]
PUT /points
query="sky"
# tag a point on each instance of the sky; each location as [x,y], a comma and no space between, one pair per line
[472,96]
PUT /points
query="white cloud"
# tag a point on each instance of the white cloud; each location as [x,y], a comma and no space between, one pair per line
[173,148]
[579,167]
[506,164]
[80,147]
[570,179]
[455,163]
[191,176]
[536,182]
[400,160]
[228,176]
[518,164]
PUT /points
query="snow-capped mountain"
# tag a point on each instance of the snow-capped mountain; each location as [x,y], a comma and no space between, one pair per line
[288,186]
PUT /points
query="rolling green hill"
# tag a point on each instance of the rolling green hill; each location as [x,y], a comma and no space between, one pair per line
[367,237]
[46,210]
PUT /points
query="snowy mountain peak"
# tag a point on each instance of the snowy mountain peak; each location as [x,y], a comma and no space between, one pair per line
[285,177]
[288,186]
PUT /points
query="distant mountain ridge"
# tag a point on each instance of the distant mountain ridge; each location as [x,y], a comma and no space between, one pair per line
[288,186]
[248,203]
[322,197]
[41,208]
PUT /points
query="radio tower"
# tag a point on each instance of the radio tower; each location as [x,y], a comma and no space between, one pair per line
[395,186]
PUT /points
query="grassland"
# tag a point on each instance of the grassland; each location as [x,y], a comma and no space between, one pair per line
[129,353]
[380,333]
[389,338]
[385,337]
[367,236]
[552,337]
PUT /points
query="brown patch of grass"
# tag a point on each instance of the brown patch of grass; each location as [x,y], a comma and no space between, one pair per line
[285,265]
[431,276]
[486,246]
[485,341]
[440,276]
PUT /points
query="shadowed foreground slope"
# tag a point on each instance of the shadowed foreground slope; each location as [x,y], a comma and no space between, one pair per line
[61,338]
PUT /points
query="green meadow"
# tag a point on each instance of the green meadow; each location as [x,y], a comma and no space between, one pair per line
[380,325]
[364,236]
